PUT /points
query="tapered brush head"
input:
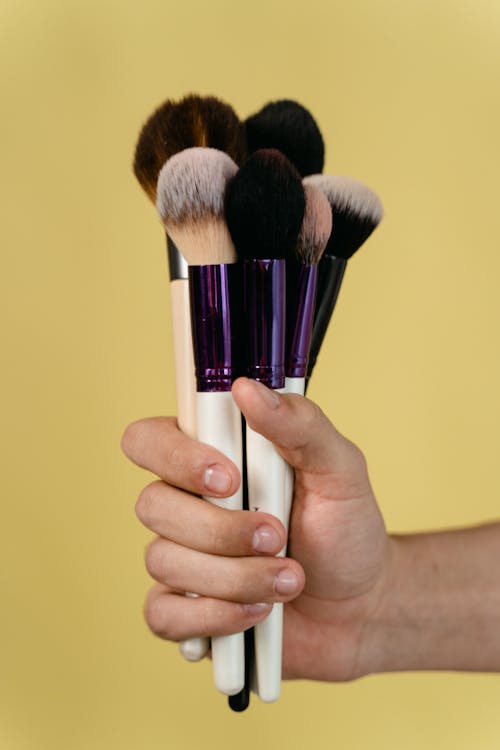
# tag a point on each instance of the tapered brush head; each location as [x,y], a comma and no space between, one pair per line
[316,226]
[357,211]
[203,121]
[264,206]
[289,127]
[190,202]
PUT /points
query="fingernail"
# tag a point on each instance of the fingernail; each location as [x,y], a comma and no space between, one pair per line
[257,609]
[265,539]
[286,582]
[269,397]
[216,479]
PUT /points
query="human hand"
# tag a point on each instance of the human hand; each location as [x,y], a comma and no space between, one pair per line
[334,577]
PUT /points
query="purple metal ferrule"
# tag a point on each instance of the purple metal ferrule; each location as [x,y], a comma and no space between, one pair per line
[300,316]
[211,327]
[264,303]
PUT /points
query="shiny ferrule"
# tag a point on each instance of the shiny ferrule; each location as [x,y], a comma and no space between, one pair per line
[209,292]
[330,274]
[300,316]
[177,266]
[264,313]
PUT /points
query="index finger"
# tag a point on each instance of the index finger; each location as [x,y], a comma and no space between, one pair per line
[157,444]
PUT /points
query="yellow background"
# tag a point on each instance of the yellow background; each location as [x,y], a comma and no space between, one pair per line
[407,96]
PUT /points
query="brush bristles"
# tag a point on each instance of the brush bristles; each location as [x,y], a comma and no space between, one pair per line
[316,226]
[194,121]
[264,206]
[190,202]
[357,211]
[289,127]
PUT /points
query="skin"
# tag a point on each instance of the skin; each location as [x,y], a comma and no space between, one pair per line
[356,600]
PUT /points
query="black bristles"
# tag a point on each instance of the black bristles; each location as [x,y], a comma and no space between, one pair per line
[264,206]
[350,231]
[289,127]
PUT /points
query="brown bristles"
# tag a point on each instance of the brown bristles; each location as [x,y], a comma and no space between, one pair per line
[175,126]
[316,226]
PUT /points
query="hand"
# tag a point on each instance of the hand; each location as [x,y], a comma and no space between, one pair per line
[331,583]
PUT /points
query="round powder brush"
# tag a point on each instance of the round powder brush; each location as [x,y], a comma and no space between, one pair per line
[193,121]
[289,127]
[357,211]
[264,208]
[190,201]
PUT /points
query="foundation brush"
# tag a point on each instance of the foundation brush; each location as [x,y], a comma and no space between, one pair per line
[190,201]
[203,121]
[264,208]
[290,128]
[357,212]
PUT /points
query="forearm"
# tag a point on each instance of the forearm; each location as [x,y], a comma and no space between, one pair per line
[441,606]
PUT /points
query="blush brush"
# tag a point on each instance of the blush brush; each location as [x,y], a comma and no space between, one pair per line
[357,212]
[264,208]
[190,201]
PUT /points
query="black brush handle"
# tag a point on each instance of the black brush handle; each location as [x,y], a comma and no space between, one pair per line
[330,274]
[241,700]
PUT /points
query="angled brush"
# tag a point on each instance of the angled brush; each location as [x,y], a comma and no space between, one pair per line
[190,201]
[264,208]
[357,211]
[302,274]
[290,128]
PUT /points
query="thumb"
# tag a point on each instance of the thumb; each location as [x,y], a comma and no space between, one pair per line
[301,432]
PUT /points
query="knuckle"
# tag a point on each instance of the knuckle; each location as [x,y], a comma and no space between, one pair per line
[358,457]
[154,614]
[131,437]
[155,559]
[225,533]
[240,586]
[146,505]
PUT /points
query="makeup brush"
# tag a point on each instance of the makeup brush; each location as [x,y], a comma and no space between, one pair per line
[174,126]
[264,208]
[301,281]
[190,201]
[357,211]
[290,128]
[193,121]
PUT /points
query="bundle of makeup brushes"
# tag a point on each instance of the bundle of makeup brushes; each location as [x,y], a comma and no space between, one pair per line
[258,241]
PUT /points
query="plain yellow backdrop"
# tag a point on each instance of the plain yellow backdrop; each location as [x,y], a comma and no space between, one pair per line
[407,95]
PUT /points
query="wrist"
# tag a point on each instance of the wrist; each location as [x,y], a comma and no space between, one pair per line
[438,606]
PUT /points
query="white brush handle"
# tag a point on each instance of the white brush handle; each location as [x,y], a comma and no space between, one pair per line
[298,386]
[266,485]
[192,649]
[219,425]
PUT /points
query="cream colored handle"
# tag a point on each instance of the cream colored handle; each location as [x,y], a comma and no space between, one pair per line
[185,383]
[192,649]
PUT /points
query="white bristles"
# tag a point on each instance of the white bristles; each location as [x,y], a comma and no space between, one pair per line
[348,193]
[190,202]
